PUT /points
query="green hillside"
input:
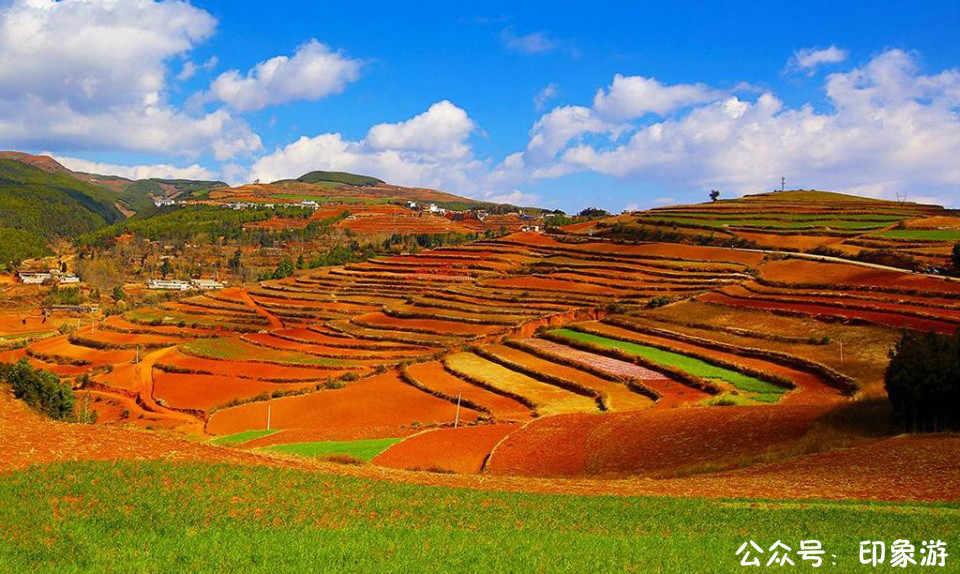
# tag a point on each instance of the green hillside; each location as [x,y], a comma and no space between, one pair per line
[137,196]
[37,206]
[339,177]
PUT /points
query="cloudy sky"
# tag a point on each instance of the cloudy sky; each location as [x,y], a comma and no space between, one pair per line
[628,105]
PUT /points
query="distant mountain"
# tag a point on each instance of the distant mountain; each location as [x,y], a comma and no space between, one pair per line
[337,187]
[40,204]
[42,201]
[339,177]
[138,196]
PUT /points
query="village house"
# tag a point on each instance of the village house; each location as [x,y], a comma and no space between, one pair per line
[168,284]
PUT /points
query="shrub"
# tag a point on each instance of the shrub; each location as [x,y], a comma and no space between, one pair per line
[40,389]
[659,301]
[616,308]
[923,381]
[349,377]
[343,459]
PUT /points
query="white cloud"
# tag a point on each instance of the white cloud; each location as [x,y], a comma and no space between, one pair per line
[428,150]
[533,43]
[515,197]
[560,125]
[441,130]
[807,60]
[190,69]
[314,71]
[91,74]
[545,95]
[634,96]
[159,170]
[890,128]
[627,98]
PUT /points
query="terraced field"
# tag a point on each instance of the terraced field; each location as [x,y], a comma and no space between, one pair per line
[803,221]
[527,327]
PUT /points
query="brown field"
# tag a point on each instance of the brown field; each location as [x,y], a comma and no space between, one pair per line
[461,450]
[646,443]
[376,407]
[838,275]
[381,321]
[437,380]
[889,319]
[247,369]
[204,392]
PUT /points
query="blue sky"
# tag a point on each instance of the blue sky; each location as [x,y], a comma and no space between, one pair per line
[626,105]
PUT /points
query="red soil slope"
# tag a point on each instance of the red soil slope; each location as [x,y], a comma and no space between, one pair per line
[377,407]
[461,450]
[646,442]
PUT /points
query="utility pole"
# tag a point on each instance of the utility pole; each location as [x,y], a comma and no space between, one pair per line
[783,183]
[268,415]
[137,360]
[456,421]
[841,349]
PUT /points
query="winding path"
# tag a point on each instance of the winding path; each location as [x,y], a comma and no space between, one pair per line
[275,323]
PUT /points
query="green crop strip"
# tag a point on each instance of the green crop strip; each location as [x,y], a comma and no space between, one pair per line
[691,365]
[361,449]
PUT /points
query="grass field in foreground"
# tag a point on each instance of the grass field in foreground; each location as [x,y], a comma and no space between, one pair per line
[161,517]
[362,449]
[691,365]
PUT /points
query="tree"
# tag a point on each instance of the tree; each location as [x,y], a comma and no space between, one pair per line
[118,293]
[923,381]
[714,195]
[235,262]
[41,390]
[102,273]
[955,258]
[594,212]
[284,269]
[166,268]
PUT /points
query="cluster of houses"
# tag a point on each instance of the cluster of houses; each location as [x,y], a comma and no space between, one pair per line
[178,285]
[169,202]
[478,214]
[51,276]
[241,205]
[426,208]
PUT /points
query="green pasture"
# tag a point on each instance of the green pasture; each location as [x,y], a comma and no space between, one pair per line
[241,437]
[171,518]
[361,449]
